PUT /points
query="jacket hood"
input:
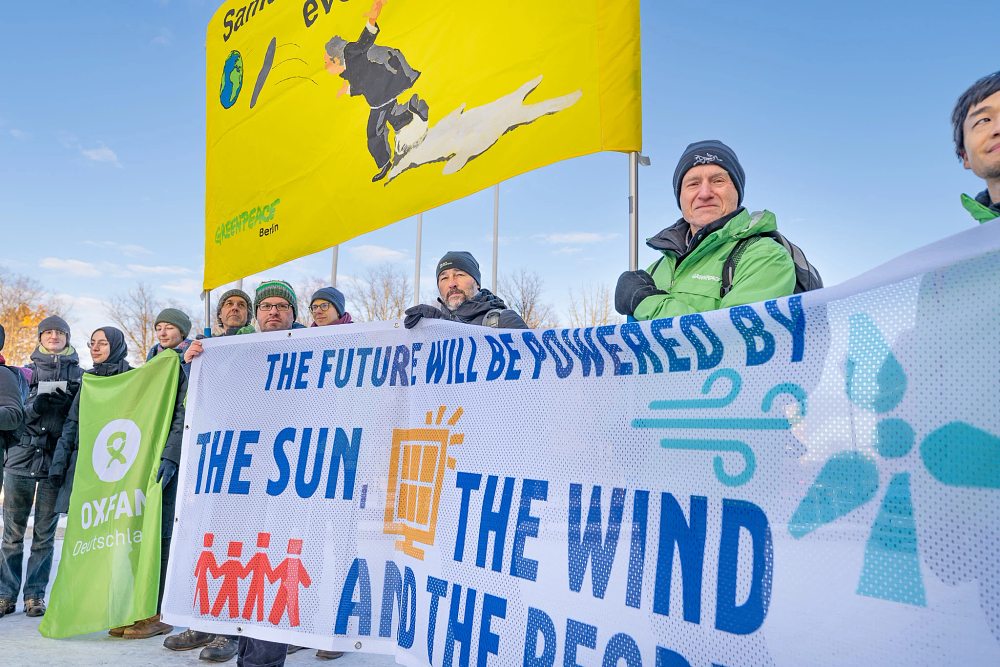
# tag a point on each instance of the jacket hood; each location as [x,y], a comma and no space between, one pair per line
[480,304]
[67,357]
[737,225]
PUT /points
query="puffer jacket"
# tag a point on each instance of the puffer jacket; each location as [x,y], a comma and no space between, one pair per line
[982,207]
[691,269]
[33,454]
[475,309]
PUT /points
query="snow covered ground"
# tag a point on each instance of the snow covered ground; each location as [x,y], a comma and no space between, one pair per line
[20,643]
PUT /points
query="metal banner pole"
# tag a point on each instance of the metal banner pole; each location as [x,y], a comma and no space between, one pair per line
[416,277]
[633,211]
[239,284]
[207,295]
[496,231]
[333,272]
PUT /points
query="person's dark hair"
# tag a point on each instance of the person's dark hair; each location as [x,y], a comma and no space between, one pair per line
[335,48]
[979,91]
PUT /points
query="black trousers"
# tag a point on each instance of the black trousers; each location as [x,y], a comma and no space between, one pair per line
[392,113]
[166,530]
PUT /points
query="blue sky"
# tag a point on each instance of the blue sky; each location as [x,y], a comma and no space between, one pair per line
[839,114]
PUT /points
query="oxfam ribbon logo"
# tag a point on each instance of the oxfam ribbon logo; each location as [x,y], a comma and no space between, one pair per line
[115,449]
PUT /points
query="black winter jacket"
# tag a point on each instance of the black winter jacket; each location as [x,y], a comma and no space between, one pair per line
[11,408]
[33,454]
[474,311]
[64,457]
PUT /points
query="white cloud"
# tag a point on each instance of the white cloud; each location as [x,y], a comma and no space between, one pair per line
[71,266]
[575,237]
[373,254]
[125,249]
[566,250]
[18,134]
[102,154]
[159,270]
[164,37]
[184,286]
[67,139]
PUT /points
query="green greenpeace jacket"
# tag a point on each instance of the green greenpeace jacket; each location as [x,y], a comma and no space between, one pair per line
[691,271]
[978,208]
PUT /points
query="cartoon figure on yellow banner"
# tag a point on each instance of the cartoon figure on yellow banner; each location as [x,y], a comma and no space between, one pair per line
[416,475]
[380,74]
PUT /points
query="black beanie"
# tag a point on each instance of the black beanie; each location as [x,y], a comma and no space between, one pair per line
[53,323]
[461,260]
[710,152]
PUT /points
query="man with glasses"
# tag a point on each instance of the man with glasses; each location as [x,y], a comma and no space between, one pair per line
[275,309]
[327,307]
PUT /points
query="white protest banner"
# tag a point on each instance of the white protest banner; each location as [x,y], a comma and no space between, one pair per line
[809,481]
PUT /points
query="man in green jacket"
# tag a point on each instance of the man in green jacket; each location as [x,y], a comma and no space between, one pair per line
[976,130]
[708,184]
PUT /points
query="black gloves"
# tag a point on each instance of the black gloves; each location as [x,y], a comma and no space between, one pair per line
[56,401]
[633,287]
[414,314]
[166,472]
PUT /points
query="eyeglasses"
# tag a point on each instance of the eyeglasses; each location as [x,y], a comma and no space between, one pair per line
[320,307]
[98,344]
[280,307]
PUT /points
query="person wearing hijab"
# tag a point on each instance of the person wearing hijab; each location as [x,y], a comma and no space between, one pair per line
[109,353]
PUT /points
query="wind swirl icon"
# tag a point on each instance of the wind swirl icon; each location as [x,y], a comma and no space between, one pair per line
[724,423]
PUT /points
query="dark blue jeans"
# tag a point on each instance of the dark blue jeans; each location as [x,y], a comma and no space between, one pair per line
[19,494]
[259,653]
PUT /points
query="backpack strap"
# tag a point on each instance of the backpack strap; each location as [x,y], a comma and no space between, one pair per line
[492,318]
[656,266]
[729,268]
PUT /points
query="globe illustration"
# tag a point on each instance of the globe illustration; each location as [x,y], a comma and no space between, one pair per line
[232,79]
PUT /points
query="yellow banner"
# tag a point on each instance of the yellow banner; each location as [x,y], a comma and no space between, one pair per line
[327,119]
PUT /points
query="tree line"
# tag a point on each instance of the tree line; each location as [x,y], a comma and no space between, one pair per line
[382,293]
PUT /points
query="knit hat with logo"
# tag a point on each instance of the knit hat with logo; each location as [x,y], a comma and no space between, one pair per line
[710,152]
[461,260]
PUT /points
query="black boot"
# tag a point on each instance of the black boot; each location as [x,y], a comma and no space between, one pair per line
[221,649]
[382,173]
[187,640]
[419,107]
[7,607]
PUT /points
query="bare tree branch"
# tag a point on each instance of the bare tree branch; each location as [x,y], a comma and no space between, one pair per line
[522,292]
[23,304]
[134,312]
[381,295]
[593,306]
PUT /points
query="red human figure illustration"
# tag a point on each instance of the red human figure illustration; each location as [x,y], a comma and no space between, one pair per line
[260,566]
[291,572]
[232,572]
[205,566]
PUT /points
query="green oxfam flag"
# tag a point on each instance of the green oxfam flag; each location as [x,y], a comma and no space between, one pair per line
[110,566]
